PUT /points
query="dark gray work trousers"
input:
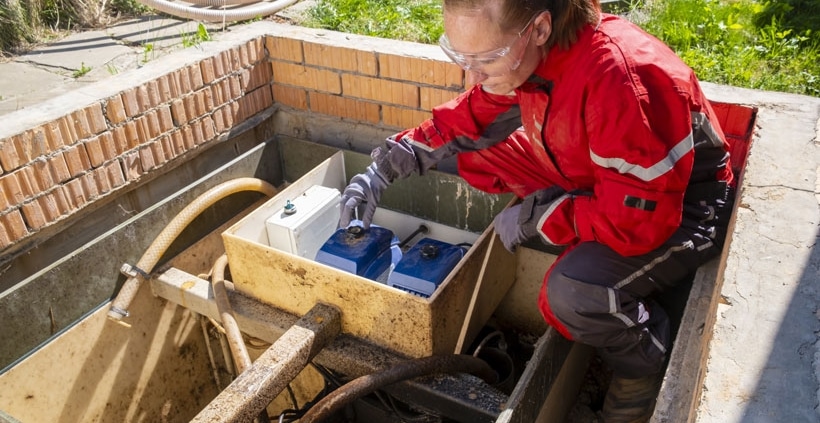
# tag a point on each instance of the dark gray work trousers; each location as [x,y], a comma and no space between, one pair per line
[598,297]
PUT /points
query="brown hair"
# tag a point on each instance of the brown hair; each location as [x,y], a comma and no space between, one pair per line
[568,16]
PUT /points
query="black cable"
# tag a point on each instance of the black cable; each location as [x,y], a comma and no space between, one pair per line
[409,369]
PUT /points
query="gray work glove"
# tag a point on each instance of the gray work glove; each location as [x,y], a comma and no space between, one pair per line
[517,224]
[364,188]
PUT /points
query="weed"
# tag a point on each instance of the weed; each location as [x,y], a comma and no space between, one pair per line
[112,69]
[147,50]
[194,39]
[81,71]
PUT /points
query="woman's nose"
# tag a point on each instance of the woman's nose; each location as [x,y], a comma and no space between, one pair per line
[473,78]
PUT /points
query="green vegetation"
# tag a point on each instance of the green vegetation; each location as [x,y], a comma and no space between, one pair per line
[194,39]
[767,44]
[413,20]
[81,71]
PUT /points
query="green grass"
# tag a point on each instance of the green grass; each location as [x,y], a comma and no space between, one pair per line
[407,20]
[769,46]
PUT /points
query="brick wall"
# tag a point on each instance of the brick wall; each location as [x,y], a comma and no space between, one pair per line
[58,167]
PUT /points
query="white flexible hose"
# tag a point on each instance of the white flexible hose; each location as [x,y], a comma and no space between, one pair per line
[243,13]
[119,307]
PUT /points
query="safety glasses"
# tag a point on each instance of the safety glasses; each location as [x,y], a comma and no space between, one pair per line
[495,62]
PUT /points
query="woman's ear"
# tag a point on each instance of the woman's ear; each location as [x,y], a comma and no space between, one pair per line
[542,28]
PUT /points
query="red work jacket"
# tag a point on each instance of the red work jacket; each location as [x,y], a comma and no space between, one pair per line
[617,120]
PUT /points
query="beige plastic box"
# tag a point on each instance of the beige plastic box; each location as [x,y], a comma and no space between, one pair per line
[383,315]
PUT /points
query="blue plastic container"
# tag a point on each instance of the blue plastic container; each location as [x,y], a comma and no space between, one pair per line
[425,266]
[363,252]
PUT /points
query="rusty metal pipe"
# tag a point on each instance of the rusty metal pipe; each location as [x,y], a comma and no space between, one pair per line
[454,363]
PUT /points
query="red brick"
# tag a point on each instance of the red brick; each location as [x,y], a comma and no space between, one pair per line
[348,59]
[167,147]
[208,128]
[96,119]
[89,185]
[132,165]
[120,139]
[146,159]
[95,152]
[228,116]
[75,194]
[190,107]
[380,90]
[219,67]
[9,156]
[64,206]
[129,101]
[153,125]
[188,138]
[208,99]
[178,112]
[40,141]
[109,148]
[50,207]
[114,172]
[164,89]
[115,110]
[256,50]
[200,104]
[199,137]
[344,107]
[307,77]
[158,152]
[101,179]
[166,123]
[68,131]
[132,134]
[31,145]
[216,95]
[77,160]
[28,182]
[206,66]
[80,121]
[284,48]
[59,168]
[196,77]
[12,228]
[422,70]
[400,118]
[42,173]
[143,129]
[242,51]
[184,80]
[177,143]
[34,214]
[235,86]
[219,121]
[153,93]
[54,136]
[12,192]
[143,99]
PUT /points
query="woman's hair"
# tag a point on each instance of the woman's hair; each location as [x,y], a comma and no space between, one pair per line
[568,16]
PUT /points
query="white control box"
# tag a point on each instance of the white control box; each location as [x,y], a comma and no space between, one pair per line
[303,226]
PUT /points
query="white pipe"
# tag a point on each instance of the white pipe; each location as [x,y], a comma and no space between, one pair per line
[218,15]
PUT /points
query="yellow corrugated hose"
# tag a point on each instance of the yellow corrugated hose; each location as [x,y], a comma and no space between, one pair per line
[140,273]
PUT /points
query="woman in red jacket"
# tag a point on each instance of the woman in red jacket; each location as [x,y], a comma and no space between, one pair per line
[606,135]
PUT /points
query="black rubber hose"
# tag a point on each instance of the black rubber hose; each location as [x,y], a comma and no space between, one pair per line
[359,387]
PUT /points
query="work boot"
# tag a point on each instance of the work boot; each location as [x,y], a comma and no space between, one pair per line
[631,400]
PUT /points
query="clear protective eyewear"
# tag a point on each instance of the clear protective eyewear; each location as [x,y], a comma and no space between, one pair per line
[491,63]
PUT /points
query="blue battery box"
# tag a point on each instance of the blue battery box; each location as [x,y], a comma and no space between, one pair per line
[364,252]
[424,266]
